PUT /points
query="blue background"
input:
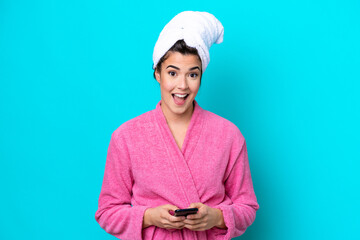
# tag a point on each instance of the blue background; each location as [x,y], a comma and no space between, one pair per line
[287,74]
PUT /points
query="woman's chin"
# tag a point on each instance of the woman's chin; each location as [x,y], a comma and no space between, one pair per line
[181,109]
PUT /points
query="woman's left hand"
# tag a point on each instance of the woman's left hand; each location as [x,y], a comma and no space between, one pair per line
[204,219]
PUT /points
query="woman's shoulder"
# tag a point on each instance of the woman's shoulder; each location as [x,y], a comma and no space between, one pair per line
[137,124]
[222,124]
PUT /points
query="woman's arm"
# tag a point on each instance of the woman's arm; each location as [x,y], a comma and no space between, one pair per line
[241,213]
[115,213]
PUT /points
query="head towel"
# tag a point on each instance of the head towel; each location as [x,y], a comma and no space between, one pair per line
[198,29]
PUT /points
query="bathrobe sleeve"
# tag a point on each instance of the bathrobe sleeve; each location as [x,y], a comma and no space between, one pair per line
[240,214]
[115,213]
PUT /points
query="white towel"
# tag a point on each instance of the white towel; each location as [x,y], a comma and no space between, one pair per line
[198,29]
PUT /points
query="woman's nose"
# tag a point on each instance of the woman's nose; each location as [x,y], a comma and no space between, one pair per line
[183,82]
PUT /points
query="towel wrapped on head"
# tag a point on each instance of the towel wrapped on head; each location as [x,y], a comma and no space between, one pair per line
[199,30]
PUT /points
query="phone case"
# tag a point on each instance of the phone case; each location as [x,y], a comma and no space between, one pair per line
[185,212]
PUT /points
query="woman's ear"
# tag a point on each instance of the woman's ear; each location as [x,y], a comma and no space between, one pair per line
[157,75]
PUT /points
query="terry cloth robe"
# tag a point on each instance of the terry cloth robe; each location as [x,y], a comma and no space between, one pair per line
[145,168]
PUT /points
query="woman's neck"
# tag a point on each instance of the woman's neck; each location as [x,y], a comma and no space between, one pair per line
[177,119]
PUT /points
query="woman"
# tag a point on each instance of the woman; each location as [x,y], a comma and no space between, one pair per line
[178,155]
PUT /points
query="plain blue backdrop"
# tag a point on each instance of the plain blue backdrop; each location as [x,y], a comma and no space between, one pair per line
[287,74]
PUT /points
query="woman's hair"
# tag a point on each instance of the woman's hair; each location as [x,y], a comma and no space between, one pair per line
[181,47]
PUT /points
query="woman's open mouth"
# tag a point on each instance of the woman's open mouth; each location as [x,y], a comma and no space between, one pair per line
[179,99]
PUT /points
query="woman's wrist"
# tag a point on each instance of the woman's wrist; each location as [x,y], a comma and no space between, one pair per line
[220,223]
[147,218]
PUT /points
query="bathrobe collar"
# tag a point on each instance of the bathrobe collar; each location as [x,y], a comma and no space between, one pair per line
[181,159]
[193,131]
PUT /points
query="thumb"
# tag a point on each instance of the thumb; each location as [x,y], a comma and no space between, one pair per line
[195,205]
[171,207]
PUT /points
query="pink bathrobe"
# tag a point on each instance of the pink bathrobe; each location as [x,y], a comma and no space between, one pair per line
[145,168]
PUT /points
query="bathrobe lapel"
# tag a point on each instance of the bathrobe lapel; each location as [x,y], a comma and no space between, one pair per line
[180,158]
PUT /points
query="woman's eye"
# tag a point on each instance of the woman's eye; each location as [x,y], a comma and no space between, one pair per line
[172,74]
[193,75]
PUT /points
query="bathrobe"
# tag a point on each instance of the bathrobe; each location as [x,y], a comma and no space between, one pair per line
[145,168]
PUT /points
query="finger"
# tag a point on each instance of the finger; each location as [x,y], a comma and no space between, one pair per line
[200,211]
[192,205]
[198,215]
[196,227]
[170,207]
[196,205]
[178,226]
[193,222]
[176,219]
[194,216]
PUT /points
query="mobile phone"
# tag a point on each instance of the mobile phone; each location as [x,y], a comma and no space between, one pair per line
[185,211]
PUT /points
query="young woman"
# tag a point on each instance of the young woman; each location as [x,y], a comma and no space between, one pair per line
[178,155]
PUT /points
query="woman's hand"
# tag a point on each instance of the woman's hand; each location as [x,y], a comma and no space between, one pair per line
[205,218]
[160,217]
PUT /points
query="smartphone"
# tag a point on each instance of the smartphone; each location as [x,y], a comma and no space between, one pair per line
[185,211]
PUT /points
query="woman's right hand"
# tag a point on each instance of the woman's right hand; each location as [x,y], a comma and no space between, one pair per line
[160,217]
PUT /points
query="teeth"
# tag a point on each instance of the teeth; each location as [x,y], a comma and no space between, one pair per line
[179,95]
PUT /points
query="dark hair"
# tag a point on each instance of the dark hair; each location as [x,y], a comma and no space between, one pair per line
[181,47]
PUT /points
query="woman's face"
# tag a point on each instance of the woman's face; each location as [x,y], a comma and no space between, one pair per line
[179,83]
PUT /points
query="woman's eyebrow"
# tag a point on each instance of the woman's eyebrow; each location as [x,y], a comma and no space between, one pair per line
[194,68]
[173,67]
